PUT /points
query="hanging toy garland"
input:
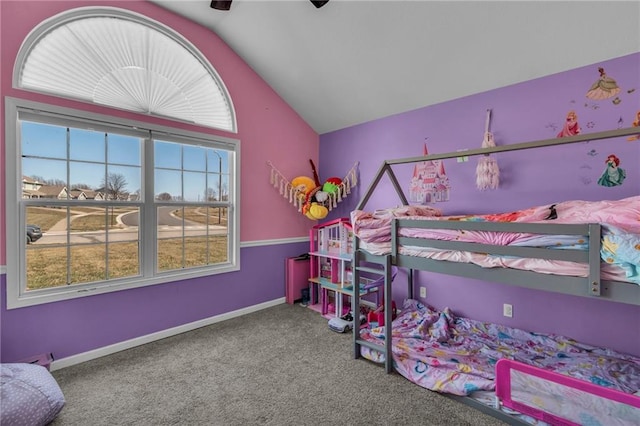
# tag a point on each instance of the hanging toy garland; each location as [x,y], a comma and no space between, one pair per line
[487,171]
[309,196]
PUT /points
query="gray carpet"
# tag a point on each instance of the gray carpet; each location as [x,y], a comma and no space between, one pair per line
[279,366]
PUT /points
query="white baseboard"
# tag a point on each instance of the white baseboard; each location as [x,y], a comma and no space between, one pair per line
[127,344]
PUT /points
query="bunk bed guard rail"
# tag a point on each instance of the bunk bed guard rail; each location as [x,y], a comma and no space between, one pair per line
[591,231]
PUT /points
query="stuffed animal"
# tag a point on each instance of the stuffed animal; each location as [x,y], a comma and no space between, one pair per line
[317,211]
[331,185]
[303,184]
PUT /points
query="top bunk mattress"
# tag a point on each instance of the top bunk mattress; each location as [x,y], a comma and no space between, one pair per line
[619,220]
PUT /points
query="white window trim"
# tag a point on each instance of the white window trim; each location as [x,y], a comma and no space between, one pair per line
[15,242]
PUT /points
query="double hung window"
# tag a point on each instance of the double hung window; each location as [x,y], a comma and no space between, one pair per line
[102,204]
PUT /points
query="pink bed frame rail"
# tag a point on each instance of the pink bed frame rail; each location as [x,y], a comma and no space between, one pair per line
[503,390]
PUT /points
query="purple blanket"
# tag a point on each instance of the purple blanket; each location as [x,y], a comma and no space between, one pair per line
[457,355]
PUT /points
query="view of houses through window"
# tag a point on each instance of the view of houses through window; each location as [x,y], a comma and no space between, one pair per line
[84,197]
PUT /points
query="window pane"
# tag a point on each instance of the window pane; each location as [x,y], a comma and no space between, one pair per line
[43,140]
[195,158]
[88,263]
[195,217]
[124,259]
[218,219]
[87,177]
[214,187]
[125,224]
[86,145]
[122,181]
[218,249]
[50,175]
[168,185]
[170,253]
[225,188]
[195,185]
[167,155]
[195,250]
[124,150]
[46,267]
[50,220]
[89,224]
[218,160]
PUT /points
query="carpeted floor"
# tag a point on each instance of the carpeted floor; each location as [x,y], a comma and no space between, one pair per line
[279,366]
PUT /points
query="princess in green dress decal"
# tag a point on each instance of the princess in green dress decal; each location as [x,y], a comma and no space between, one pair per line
[604,88]
[613,175]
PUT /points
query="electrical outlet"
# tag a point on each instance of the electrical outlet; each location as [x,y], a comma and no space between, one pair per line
[507,310]
[423,292]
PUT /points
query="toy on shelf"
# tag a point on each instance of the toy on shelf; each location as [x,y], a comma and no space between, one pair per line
[334,237]
[376,318]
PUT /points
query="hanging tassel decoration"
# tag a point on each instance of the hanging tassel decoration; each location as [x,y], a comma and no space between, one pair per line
[487,171]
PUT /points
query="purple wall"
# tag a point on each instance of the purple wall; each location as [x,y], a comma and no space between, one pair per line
[80,325]
[524,112]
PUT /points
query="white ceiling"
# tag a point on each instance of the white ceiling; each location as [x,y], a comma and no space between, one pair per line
[353,61]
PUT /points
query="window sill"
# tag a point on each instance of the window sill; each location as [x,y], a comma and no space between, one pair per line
[38,297]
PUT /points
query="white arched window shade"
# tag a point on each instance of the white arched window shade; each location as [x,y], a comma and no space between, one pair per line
[123,60]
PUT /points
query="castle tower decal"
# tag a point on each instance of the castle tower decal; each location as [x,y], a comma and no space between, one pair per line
[429,183]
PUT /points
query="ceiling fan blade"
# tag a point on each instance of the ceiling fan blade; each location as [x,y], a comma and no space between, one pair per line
[319,4]
[223,5]
[226,5]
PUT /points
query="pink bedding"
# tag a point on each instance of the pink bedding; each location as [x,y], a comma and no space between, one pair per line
[620,222]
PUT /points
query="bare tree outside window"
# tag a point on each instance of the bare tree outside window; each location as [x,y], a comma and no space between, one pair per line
[211,195]
[115,186]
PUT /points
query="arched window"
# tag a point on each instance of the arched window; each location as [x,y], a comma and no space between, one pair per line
[124,60]
[105,203]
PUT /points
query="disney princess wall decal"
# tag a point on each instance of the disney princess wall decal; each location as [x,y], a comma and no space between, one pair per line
[604,88]
[571,126]
[613,174]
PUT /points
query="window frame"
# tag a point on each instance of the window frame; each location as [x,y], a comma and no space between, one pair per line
[15,243]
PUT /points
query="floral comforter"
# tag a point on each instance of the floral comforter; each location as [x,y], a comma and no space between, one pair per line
[445,353]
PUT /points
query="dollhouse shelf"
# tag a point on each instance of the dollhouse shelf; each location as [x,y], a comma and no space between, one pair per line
[346,256]
[330,273]
[347,288]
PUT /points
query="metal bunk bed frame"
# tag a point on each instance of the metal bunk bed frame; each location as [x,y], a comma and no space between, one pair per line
[591,286]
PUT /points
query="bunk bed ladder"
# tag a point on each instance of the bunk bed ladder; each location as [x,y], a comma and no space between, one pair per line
[385,262]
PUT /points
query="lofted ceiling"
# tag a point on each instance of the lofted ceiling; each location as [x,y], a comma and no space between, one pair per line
[353,61]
